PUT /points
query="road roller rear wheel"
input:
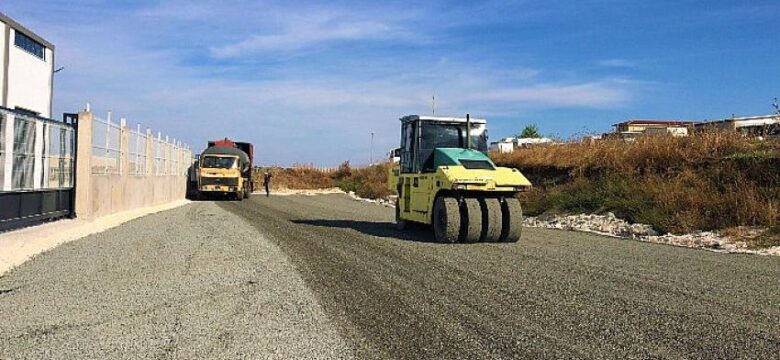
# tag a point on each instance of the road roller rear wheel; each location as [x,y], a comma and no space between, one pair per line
[492,219]
[446,220]
[471,221]
[512,224]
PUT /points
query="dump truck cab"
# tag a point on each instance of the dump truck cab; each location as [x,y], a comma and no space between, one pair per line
[223,169]
[444,164]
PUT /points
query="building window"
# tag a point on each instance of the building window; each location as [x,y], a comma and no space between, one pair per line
[29,44]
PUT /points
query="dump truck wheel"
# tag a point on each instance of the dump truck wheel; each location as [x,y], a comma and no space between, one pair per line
[446,220]
[471,220]
[492,219]
[512,215]
[400,224]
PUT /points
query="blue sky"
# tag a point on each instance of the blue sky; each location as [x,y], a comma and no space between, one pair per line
[307,82]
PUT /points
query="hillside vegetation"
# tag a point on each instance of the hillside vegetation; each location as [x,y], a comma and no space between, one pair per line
[711,181]
[368,182]
[677,184]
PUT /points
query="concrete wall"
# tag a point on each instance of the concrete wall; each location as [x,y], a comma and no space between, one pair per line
[26,80]
[103,194]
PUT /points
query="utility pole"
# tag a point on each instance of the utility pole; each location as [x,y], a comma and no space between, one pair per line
[433,105]
[372,150]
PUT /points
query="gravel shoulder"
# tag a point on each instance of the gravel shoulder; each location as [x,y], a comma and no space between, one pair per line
[554,294]
[193,282]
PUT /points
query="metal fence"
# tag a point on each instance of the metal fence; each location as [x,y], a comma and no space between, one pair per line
[159,155]
[137,152]
[36,168]
[106,146]
[35,153]
[146,154]
[58,156]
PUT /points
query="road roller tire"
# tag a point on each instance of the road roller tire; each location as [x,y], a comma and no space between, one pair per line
[512,220]
[471,220]
[446,220]
[400,224]
[492,219]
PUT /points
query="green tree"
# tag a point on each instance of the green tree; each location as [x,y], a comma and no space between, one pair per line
[530,131]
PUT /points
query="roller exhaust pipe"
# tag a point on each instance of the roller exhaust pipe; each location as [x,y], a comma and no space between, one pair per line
[468,131]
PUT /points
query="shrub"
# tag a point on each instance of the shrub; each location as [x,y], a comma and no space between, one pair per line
[680,184]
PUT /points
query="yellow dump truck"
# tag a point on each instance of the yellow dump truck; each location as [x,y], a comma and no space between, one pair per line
[225,168]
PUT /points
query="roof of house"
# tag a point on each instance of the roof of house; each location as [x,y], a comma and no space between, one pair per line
[656,122]
[19,27]
[748,118]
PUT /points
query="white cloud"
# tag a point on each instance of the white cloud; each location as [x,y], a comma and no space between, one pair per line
[618,63]
[313,28]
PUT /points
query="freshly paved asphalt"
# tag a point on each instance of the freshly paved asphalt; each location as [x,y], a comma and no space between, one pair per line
[554,294]
[298,277]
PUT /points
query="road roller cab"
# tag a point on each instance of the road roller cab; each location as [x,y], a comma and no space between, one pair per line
[445,179]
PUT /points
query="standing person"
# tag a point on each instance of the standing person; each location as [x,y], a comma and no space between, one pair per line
[267,183]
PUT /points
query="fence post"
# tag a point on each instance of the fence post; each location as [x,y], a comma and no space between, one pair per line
[149,152]
[167,155]
[8,132]
[124,148]
[84,166]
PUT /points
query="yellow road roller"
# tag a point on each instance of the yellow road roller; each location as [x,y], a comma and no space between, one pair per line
[445,179]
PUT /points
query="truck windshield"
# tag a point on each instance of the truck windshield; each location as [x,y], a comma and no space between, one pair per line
[452,136]
[218,162]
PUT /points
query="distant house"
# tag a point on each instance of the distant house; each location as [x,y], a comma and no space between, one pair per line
[26,69]
[763,125]
[633,128]
[394,155]
[507,145]
[504,145]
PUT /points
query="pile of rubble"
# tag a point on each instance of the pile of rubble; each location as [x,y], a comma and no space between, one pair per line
[389,202]
[607,224]
[611,225]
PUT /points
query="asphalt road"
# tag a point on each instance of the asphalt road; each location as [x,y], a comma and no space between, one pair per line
[300,277]
[554,294]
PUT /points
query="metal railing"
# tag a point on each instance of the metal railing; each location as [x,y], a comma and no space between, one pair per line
[58,156]
[137,156]
[106,146]
[37,160]
[146,154]
[35,153]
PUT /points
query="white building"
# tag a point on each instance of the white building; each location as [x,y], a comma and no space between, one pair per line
[26,69]
[750,125]
[507,145]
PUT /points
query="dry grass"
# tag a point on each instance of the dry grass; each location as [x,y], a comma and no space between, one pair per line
[368,182]
[702,182]
[297,178]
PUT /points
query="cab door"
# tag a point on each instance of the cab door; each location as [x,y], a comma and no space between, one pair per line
[421,193]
